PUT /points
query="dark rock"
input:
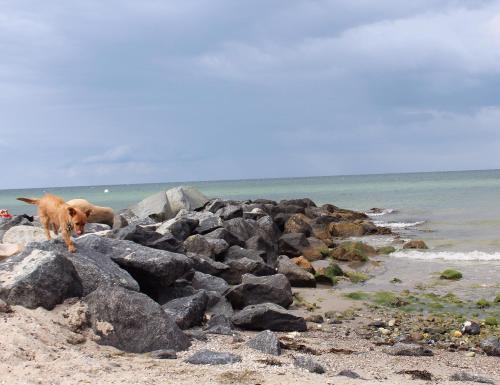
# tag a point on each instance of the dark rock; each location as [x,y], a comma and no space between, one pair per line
[219,246]
[237,252]
[136,233]
[229,212]
[207,221]
[348,373]
[491,346]
[347,229]
[164,354]
[254,290]
[132,321]
[4,307]
[242,229]
[220,324]
[268,316]
[222,307]
[225,235]
[209,266]
[96,227]
[180,228]
[280,219]
[293,244]
[167,242]
[196,335]
[197,244]
[308,364]
[239,267]
[214,205]
[38,278]
[401,349]
[301,202]
[415,244]
[417,374]
[469,377]
[266,342]
[298,223]
[290,209]
[208,357]
[180,288]
[268,229]
[91,262]
[209,283]
[353,251]
[320,228]
[471,327]
[188,311]
[316,318]
[267,251]
[297,276]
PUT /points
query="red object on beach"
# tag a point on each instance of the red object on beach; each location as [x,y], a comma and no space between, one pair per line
[5,214]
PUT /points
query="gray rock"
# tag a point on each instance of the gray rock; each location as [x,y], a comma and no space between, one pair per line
[136,233]
[401,349]
[181,288]
[242,229]
[196,335]
[164,354]
[207,222]
[471,327]
[254,290]
[219,324]
[155,206]
[197,244]
[219,246]
[38,278]
[266,342]
[221,233]
[96,227]
[237,252]
[167,242]
[180,228]
[268,316]
[293,244]
[16,220]
[132,321]
[348,373]
[208,265]
[266,249]
[215,205]
[239,267]
[209,283]
[491,346]
[230,211]
[222,307]
[300,202]
[297,276]
[208,357]
[469,377]
[188,311]
[308,364]
[185,197]
[24,234]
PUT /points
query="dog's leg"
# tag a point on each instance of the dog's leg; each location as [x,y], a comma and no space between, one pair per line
[55,228]
[46,225]
[67,239]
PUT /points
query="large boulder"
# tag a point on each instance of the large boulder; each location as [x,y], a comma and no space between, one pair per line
[268,250]
[242,229]
[167,242]
[188,311]
[137,233]
[155,206]
[320,227]
[16,220]
[24,234]
[298,223]
[197,244]
[208,265]
[152,269]
[316,249]
[230,211]
[415,244]
[179,227]
[185,197]
[207,221]
[9,249]
[347,229]
[268,316]
[293,244]
[132,321]
[238,267]
[237,252]
[297,276]
[221,233]
[254,290]
[209,283]
[353,251]
[91,262]
[38,278]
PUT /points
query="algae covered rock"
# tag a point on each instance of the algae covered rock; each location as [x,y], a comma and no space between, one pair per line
[451,274]
[353,251]
[415,244]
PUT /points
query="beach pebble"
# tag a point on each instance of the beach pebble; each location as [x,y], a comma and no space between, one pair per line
[348,373]
[471,327]
[456,334]
[470,354]
[266,342]
[308,364]
[391,323]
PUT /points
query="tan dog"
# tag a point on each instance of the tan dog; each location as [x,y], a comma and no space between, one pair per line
[99,214]
[53,211]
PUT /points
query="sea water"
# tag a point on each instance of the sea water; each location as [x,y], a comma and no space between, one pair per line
[456,213]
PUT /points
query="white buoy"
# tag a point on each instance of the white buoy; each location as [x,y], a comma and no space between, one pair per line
[106,190]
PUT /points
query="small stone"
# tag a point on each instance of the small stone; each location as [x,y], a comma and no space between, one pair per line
[164,354]
[348,373]
[391,323]
[309,364]
[4,307]
[208,357]
[470,354]
[468,377]
[401,349]
[266,342]
[378,324]
[456,334]
[316,318]
[237,338]
[75,339]
[384,332]
[470,327]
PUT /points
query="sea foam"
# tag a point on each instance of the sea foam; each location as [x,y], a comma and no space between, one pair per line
[448,255]
[398,225]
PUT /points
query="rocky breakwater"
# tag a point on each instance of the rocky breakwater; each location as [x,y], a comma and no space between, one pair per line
[178,259]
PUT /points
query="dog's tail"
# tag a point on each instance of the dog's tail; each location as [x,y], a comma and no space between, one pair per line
[31,201]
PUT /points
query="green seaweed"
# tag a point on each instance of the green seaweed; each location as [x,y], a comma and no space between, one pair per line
[451,274]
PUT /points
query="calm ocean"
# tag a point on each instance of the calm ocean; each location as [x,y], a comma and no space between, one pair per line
[456,213]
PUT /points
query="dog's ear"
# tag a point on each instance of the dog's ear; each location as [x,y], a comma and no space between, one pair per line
[88,212]
[71,211]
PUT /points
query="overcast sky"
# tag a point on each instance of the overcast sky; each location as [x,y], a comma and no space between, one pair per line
[127,91]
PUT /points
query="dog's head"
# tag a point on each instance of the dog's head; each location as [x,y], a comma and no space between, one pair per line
[78,219]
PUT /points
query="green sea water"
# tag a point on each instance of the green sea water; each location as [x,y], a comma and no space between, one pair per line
[455,212]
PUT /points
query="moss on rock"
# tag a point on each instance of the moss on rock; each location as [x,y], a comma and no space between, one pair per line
[451,274]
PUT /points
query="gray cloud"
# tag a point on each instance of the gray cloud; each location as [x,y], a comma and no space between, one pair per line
[123,91]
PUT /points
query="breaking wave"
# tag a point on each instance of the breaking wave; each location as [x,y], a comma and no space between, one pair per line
[448,255]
